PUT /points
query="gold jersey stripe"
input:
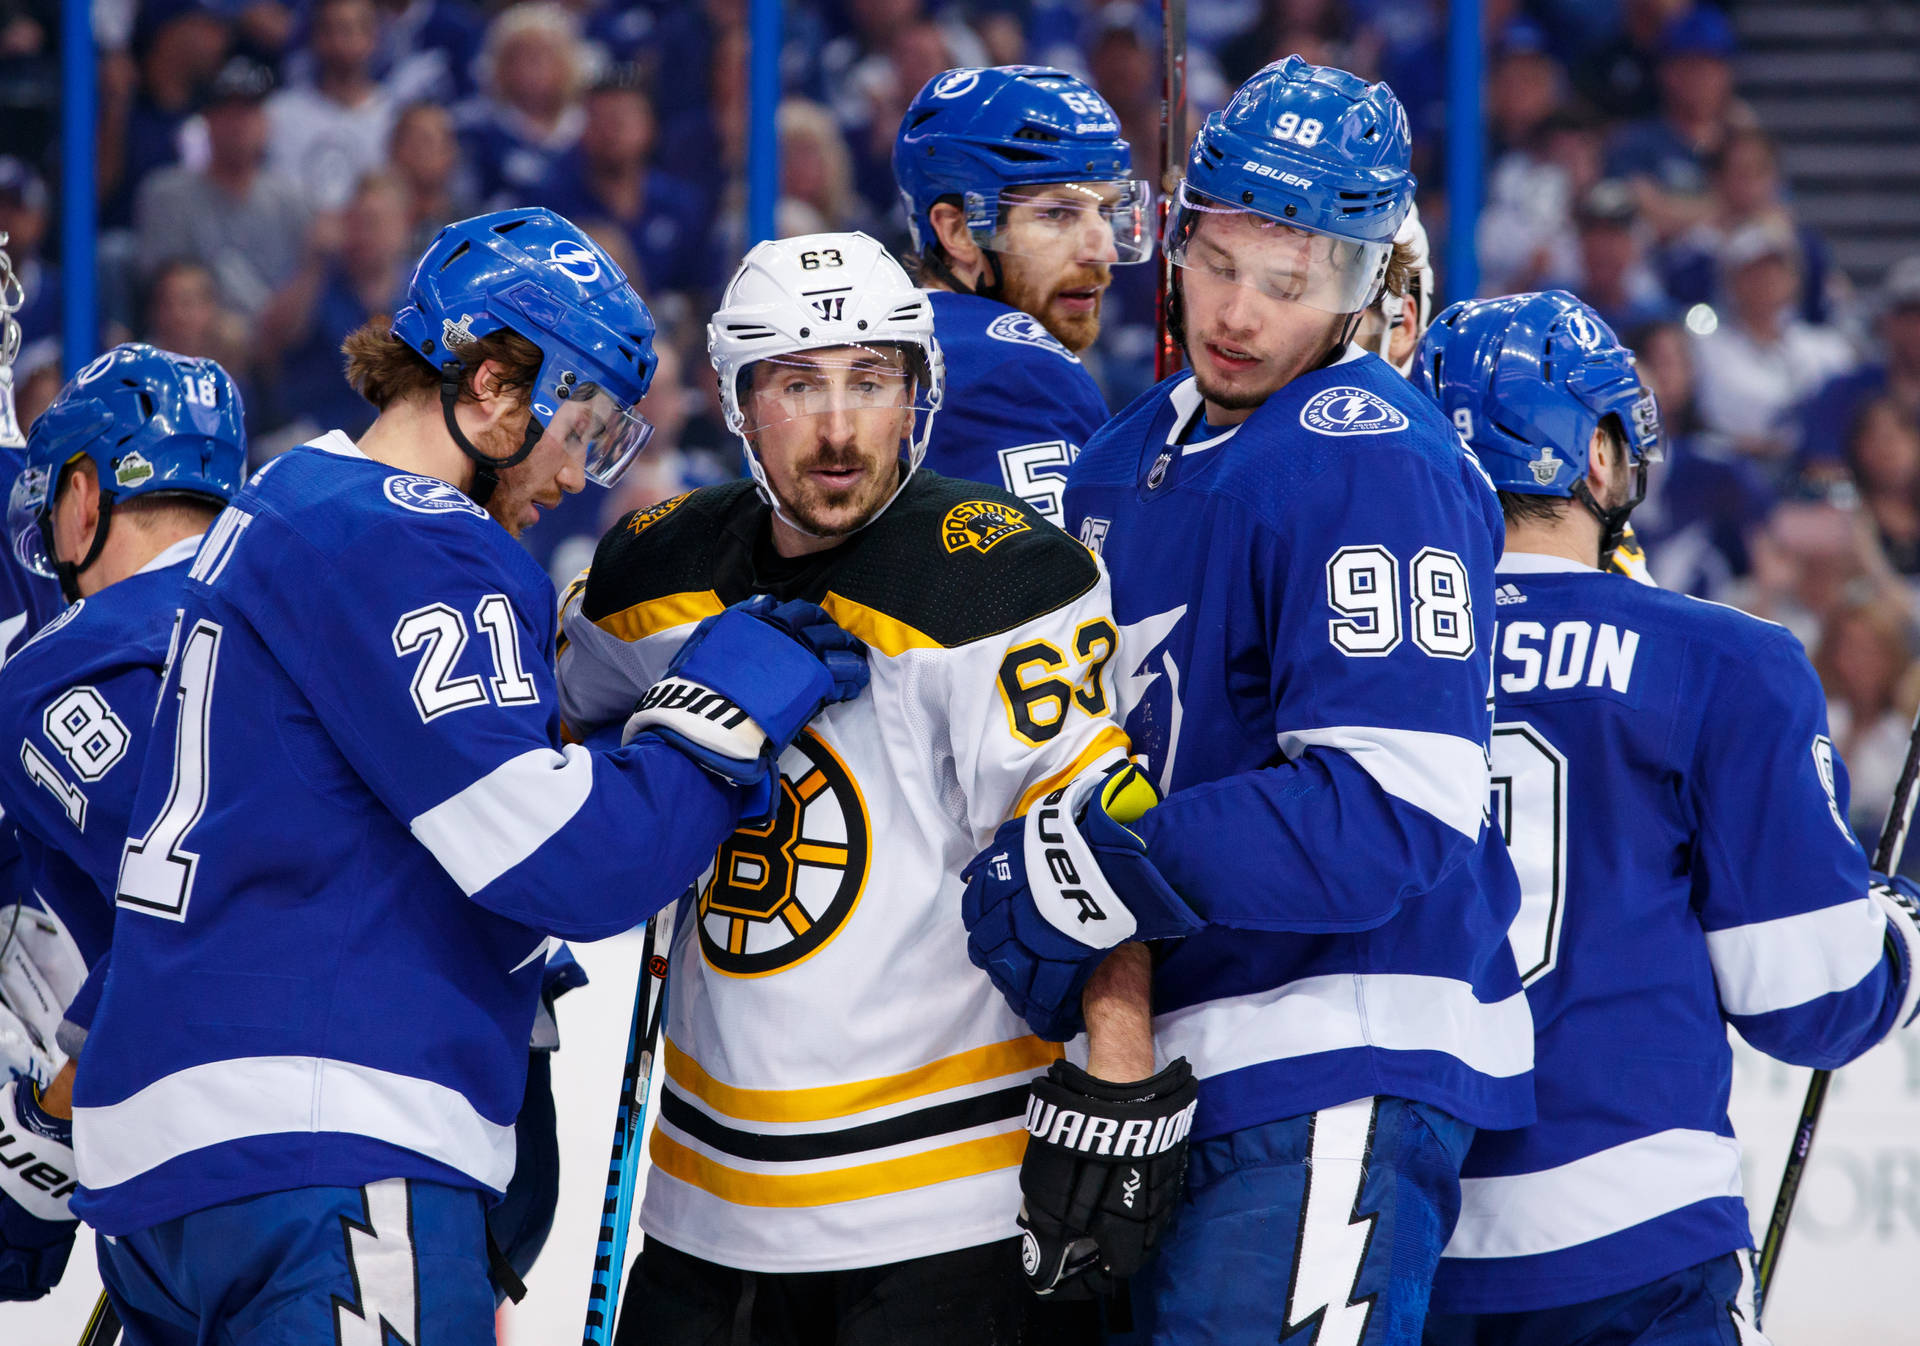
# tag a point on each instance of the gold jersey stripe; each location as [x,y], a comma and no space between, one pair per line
[828,1102]
[661,614]
[889,635]
[964,1160]
[1104,742]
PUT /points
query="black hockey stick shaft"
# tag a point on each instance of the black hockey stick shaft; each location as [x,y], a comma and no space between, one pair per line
[1886,859]
[616,1214]
[1173,158]
[103,1324]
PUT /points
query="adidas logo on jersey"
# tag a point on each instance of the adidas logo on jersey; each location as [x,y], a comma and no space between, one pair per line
[1506,594]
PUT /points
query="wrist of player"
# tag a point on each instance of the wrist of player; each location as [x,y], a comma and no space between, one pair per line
[1103,1175]
[1898,899]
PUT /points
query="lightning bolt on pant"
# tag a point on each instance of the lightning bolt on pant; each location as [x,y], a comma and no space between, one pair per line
[396,1261]
[1320,1230]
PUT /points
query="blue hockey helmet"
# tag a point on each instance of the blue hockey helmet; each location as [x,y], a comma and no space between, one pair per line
[537,274]
[151,422]
[1527,379]
[1319,152]
[982,135]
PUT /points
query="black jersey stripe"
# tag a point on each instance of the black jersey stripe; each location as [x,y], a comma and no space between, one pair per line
[922,1124]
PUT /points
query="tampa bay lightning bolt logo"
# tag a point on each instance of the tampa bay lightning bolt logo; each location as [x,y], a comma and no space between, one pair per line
[1351,411]
[95,368]
[1585,334]
[1023,329]
[574,259]
[955,82]
[429,495]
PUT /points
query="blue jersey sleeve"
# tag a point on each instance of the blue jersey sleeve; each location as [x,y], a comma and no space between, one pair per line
[1799,952]
[1374,595]
[436,682]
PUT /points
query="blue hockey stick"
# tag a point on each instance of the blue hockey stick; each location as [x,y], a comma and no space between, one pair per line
[629,1131]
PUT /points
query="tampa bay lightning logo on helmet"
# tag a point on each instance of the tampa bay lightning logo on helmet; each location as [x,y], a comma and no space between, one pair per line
[576,260]
[1023,329]
[955,82]
[429,495]
[1351,411]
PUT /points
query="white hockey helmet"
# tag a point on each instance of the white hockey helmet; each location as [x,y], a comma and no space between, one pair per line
[1413,234]
[820,291]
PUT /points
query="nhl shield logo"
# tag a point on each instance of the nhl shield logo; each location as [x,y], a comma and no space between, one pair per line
[1351,411]
[1546,467]
[429,495]
[981,525]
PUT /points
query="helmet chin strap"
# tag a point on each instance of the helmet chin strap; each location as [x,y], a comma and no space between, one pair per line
[68,572]
[1613,522]
[487,468]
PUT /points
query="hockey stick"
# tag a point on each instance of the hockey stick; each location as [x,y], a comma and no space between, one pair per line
[629,1127]
[1886,859]
[103,1324]
[1173,158]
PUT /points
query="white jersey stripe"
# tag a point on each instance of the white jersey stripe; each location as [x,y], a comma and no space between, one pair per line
[1777,964]
[506,815]
[1387,1010]
[223,1101]
[1440,774]
[1525,1214]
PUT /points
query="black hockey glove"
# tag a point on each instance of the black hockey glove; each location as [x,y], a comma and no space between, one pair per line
[1105,1169]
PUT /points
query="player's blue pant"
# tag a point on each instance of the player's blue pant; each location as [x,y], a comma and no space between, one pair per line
[1706,1305]
[1333,1221]
[313,1265]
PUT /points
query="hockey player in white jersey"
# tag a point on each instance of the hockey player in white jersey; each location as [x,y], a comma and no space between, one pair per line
[840,1138]
[1663,770]
[361,829]
[1022,198]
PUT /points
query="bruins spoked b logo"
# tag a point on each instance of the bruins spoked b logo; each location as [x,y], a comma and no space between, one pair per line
[777,893]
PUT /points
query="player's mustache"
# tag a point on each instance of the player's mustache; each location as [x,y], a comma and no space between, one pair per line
[1099,274]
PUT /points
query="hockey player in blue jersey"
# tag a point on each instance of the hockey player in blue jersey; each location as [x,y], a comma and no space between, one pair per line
[123,473]
[346,862]
[1021,196]
[1677,815]
[1302,562]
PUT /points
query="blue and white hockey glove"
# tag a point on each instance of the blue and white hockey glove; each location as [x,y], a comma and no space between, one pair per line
[1899,899]
[37,1175]
[1060,887]
[744,684]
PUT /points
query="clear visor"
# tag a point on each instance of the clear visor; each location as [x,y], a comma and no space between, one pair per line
[601,431]
[1218,244]
[25,505]
[1099,222]
[879,390]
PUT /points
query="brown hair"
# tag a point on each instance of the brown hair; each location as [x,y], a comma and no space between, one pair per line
[384,371]
[1402,266]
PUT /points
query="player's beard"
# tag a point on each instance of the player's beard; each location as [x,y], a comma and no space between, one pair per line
[1074,326]
[1279,363]
[829,512]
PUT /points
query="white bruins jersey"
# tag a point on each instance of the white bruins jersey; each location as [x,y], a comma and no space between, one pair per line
[843,1087]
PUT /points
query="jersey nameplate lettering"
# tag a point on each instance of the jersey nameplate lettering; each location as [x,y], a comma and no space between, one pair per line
[1574,655]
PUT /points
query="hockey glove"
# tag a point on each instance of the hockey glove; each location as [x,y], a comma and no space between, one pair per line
[1105,1169]
[36,1178]
[744,684]
[1060,887]
[1899,899]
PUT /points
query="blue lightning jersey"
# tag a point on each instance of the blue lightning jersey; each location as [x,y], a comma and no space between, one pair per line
[27,603]
[1019,406]
[78,699]
[1306,639]
[349,850]
[1676,813]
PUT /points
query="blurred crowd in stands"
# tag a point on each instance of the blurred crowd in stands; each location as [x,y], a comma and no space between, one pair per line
[267,170]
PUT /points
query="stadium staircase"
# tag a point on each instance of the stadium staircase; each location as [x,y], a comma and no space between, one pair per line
[1837,85]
